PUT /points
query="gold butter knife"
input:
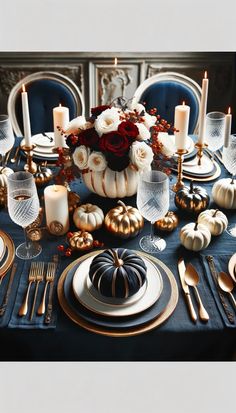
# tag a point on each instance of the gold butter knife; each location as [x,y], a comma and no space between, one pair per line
[182,269]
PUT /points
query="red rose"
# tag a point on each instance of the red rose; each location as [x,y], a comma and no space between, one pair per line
[98,110]
[114,142]
[89,138]
[128,128]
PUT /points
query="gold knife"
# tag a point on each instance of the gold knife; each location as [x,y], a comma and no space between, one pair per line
[182,269]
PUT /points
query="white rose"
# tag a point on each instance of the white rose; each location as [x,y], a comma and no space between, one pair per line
[141,155]
[168,144]
[144,133]
[107,121]
[80,156]
[149,120]
[97,161]
[138,107]
[77,124]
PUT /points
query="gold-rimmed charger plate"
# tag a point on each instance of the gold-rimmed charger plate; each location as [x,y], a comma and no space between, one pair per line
[10,253]
[207,179]
[162,317]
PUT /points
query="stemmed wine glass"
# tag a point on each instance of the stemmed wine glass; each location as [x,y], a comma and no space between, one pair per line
[23,208]
[6,135]
[153,204]
[229,161]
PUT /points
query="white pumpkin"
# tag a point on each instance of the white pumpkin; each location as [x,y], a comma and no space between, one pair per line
[215,220]
[4,173]
[224,193]
[88,217]
[195,237]
[112,184]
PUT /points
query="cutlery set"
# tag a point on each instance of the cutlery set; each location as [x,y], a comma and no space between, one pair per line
[35,277]
[189,278]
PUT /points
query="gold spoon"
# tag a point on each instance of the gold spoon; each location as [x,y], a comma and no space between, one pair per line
[226,284]
[192,279]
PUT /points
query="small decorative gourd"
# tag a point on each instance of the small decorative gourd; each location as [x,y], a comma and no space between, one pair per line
[195,237]
[224,193]
[168,223]
[124,221]
[215,220]
[81,241]
[117,273]
[88,217]
[43,175]
[193,199]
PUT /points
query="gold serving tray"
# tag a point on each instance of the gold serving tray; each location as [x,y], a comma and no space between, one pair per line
[6,265]
[162,317]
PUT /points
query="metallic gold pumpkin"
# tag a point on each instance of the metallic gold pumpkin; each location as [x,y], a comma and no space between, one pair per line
[4,173]
[43,175]
[192,199]
[124,221]
[168,223]
[81,241]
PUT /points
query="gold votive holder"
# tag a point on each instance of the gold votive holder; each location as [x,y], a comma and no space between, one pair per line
[179,184]
[30,165]
[200,147]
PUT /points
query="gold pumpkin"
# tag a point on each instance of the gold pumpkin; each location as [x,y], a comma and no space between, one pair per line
[81,241]
[168,223]
[124,221]
[43,175]
[4,173]
[194,199]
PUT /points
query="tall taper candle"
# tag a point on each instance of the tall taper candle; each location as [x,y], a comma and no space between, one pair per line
[26,117]
[228,122]
[56,209]
[203,108]
[181,124]
[61,119]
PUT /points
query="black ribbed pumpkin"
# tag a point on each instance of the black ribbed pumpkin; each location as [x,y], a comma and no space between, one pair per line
[117,273]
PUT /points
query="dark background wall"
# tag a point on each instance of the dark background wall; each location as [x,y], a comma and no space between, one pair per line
[100,81]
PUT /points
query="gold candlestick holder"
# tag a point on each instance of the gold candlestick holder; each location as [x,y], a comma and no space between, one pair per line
[200,147]
[179,184]
[30,166]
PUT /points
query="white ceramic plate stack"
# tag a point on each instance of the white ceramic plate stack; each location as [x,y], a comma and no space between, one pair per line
[44,146]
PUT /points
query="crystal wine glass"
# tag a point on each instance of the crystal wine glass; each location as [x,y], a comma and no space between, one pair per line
[153,204]
[215,129]
[23,207]
[229,160]
[6,135]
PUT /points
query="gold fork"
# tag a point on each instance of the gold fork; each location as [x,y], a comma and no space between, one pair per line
[49,278]
[39,279]
[31,278]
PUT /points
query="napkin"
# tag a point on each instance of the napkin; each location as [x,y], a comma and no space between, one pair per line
[221,264]
[37,321]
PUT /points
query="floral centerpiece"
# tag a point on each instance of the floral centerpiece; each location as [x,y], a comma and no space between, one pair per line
[114,145]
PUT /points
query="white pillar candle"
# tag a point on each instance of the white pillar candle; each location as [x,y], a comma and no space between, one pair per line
[56,209]
[61,120]
[202,111]
[26,117]
[228,122]
[181,124]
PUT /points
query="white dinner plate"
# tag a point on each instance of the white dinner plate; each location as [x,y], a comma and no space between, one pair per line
[83,293]
[42,141]
[231,265]
[2,248]
[206,166]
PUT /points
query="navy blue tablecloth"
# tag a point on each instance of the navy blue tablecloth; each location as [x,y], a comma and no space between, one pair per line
[177,339]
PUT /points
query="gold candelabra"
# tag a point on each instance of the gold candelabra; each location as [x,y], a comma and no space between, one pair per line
[30,166]
[179,184]
[200,147]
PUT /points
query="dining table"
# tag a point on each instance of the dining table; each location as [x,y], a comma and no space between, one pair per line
[177,339]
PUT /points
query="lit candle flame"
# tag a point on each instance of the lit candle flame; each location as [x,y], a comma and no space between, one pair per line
[55,188]
[23,88]
[59,104]
[115,61]
[205,75]
[183,103]
[229,111]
